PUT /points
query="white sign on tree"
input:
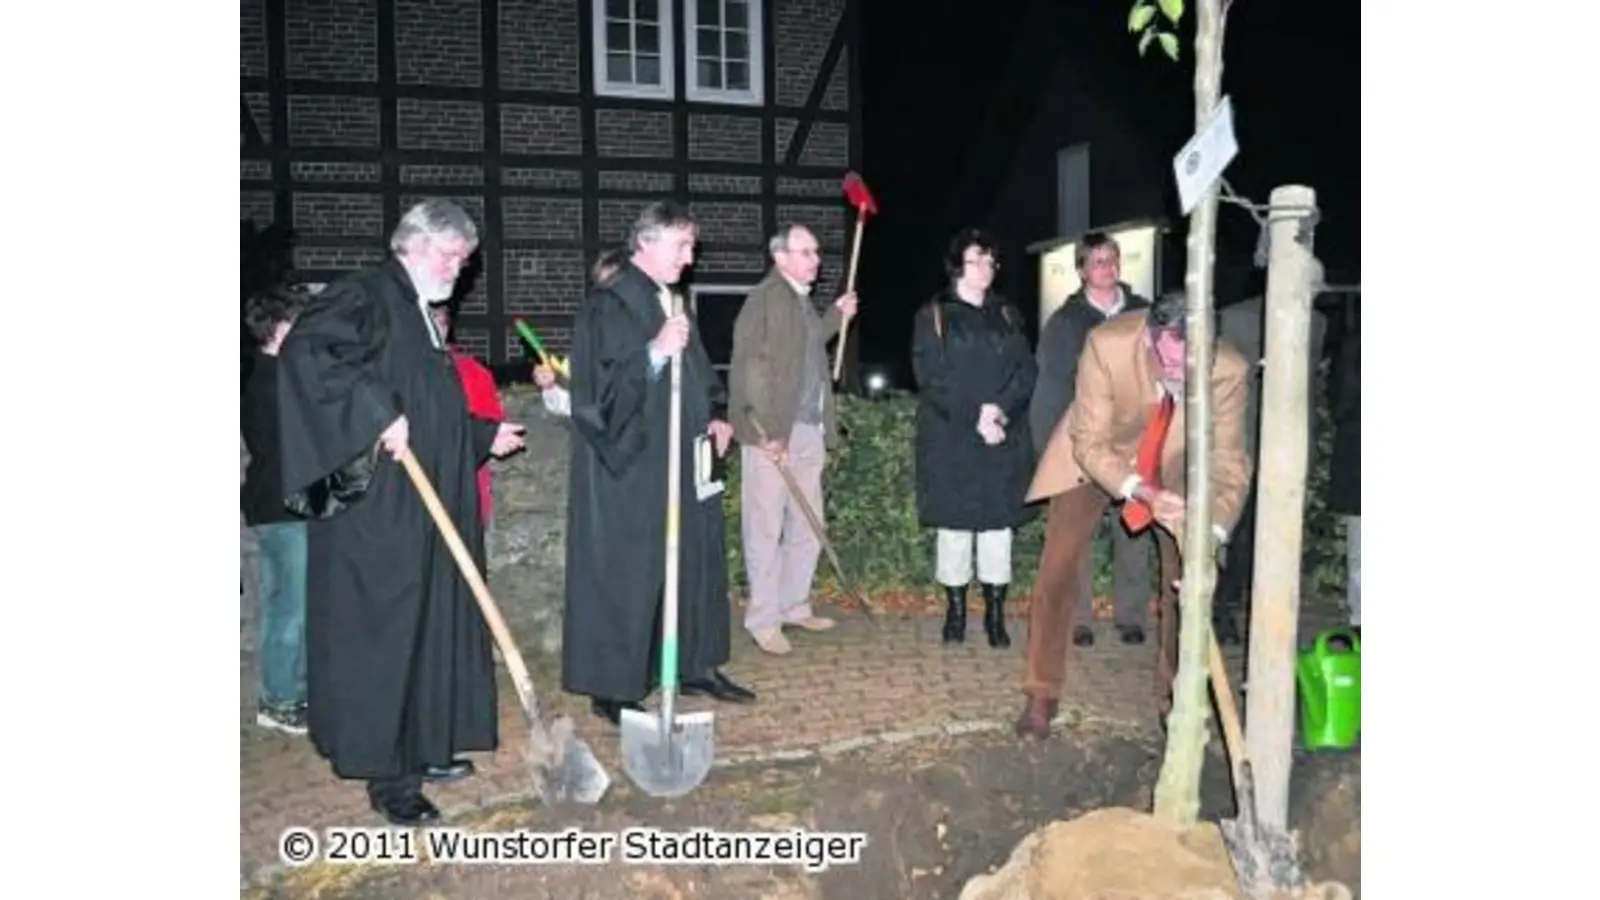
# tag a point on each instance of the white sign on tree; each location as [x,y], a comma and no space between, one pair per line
[1202,160]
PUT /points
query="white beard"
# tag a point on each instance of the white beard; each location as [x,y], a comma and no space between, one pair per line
[433,291]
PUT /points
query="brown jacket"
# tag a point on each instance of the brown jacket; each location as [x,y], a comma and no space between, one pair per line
[769,352]
[1118,385]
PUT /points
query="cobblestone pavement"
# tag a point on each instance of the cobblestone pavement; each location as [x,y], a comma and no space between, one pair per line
[841,689]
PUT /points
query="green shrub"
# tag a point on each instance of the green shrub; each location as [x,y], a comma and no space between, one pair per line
[870,497]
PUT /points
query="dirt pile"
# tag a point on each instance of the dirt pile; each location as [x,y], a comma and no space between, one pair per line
[1113,854]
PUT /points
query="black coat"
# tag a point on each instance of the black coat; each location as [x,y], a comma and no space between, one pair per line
[983,357]
[617,501]
[398,669]
[1344,477]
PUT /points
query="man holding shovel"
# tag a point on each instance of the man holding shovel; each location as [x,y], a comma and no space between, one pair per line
[779,387]
[625,336]
[398,665]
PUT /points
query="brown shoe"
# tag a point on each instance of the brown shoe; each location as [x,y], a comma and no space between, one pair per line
[813,623]
[1035,719]
[772,641]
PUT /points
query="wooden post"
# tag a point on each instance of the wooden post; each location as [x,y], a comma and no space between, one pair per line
[1280,501]
[1177,793]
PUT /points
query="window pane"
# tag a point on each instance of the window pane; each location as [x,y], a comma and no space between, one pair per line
[710,42]
[736,45]
[709,71]
[646,10]
[618,37]
[709,12]
[618,9]
[738,76]
[648,38]
[649,72]
[619,68]
[737,13]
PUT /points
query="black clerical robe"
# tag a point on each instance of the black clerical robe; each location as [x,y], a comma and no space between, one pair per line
[617,502]
[398,663]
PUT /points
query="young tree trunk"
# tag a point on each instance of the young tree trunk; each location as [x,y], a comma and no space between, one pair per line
[1280,504]
[1177,794]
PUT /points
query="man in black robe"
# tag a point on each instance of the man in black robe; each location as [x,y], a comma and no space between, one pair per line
[398,667]
[622,344]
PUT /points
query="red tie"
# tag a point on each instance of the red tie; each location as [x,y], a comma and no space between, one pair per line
[1136,514]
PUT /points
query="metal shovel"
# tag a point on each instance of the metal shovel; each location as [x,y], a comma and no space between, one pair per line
[1263,857]
[562,765]
[666,754]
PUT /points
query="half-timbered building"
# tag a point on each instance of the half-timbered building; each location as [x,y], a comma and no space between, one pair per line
[553,122]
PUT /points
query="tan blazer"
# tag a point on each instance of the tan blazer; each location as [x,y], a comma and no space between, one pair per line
[1118,387]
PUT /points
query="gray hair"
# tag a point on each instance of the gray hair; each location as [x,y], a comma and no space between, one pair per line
[656,218]
[433,217]
[779,241]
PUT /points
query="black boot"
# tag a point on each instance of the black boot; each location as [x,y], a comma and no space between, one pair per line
[994,615]
[955,615]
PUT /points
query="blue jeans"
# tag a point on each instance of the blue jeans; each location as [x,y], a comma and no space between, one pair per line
[283,613]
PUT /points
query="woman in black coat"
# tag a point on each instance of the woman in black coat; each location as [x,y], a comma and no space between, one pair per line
[975,373]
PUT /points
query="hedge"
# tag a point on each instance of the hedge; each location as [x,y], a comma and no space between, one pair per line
[870,500]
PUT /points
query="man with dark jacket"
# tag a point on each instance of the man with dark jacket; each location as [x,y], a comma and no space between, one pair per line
[281,702]
[1244,326]
[1099,263]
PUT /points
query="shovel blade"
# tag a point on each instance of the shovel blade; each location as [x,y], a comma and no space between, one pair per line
[1264,860]
[565,768]
[669,765]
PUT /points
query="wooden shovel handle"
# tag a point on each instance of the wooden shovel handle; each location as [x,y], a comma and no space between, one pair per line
[1227,711]
[849,286]
[469,570]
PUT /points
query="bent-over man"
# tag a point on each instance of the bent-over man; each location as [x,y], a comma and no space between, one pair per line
[1128,410]
[779,379]
[398,665]
[624,338]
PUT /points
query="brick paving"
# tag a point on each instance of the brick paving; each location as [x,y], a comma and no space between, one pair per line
[838,688]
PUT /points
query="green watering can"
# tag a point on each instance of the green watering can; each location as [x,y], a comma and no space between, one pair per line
[1329,677]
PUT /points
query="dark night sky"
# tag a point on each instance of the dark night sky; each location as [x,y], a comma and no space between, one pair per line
[929,70]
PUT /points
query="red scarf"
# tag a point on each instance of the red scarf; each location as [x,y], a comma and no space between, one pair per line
[483,402]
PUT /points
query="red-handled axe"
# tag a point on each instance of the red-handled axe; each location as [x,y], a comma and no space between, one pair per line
[855,190]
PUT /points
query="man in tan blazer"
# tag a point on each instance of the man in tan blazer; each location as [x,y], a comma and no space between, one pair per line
[1128,365]
[779,379]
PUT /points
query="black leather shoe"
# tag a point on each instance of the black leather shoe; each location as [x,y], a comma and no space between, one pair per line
[717,687]
[955,615]
[1083,636]
[455,771]
[611,710]
[1131,634]
[405,809]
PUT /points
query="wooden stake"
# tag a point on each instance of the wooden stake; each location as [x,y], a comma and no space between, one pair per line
[1280,503]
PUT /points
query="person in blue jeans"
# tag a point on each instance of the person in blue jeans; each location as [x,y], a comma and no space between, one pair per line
[282,696]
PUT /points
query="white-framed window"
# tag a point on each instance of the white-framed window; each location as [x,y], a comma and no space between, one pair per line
[723,51]
[633,48]
[714,308]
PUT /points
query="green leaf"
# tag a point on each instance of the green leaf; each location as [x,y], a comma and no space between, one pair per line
[1145,39]
[1172,9]
[1169,43]
[1139,17]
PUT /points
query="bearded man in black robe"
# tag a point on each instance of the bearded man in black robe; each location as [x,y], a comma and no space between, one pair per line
[398,665]
[624,339]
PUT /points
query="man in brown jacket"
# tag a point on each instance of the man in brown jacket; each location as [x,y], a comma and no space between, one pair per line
[779,378]
[1128,368]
